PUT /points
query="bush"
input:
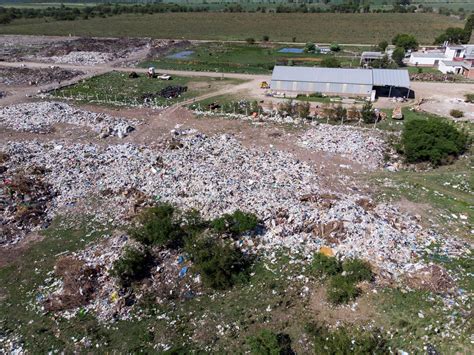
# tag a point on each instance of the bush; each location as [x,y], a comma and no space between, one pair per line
[335,47]
[432,140]
[325,265]
[132,265]
[341,290]
[235,224]
[268,343]
[250,40]
[330,62]
[159,227]
[220,264]
[456,113]
[367,113]
[342,341]
[357,270]
[469,98]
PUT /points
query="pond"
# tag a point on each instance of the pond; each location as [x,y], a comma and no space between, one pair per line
[181,55]
[291,50]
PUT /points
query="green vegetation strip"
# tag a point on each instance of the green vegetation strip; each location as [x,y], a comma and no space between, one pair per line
[118,89]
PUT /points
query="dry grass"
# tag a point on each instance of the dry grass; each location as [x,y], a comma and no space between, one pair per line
[342,28]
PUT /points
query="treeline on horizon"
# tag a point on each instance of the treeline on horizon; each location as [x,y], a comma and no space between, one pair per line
[66,13]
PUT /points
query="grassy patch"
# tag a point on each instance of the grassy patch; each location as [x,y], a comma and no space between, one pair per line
[342,28]
[117,89]
[445,193]
[19,284]
[417,319]
[238,58]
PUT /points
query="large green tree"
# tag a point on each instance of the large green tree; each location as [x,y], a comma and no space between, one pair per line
[406,41]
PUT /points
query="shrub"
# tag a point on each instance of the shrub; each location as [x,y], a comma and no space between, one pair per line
[330,62]
[132,265]
[367,113]
[267,342]
[432,140]
[357,270]
[469,98]
[159,227]
[325,265]
[456,113]
[220,264]
[341,341]
[236,223]
[341,290]
[335,47]
[250,40]
[266,38]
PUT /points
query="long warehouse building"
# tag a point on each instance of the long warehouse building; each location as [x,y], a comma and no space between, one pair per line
[338,81]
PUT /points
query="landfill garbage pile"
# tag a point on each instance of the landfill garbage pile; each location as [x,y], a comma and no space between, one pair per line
[364,146]
[24,76]
[83,281]
[267,116]
[81,58]
[39,117]
[24,201]
[218,175]
[118,46]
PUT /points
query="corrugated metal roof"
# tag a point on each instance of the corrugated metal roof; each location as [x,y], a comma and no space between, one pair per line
[378,77]
[428,55]
[372,55]
[324,75]
[391,77]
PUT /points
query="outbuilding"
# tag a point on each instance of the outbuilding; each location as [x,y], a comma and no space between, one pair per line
[341,81]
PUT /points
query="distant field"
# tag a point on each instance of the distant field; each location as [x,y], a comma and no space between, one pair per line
[342,28]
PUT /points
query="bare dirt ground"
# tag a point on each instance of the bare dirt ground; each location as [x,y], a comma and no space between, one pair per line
[440,98]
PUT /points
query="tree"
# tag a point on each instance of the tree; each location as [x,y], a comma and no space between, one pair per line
[250,40]
[367,113]
[406,41]
[330,62]
[454,35]
[310,47]
[468,27]
[398,55]
[384,63]
[303,109]
[433,140]
[335,47]
[266,38]
[383,46]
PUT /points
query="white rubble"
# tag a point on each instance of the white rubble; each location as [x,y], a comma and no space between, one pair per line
[365,146]
[218,175]
[40,117]
[82,58]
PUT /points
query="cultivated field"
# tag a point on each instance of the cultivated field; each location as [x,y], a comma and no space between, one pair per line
[342,28]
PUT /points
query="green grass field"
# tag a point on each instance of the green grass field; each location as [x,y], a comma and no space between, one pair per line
[342,28]
[241,58]
[117,89]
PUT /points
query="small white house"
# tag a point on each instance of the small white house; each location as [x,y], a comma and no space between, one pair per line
[449,66]
[452,52]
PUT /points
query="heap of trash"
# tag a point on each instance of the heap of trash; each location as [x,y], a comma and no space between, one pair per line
[40,117]
[82,58]
[217,175]
[365,146]
[22,76]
